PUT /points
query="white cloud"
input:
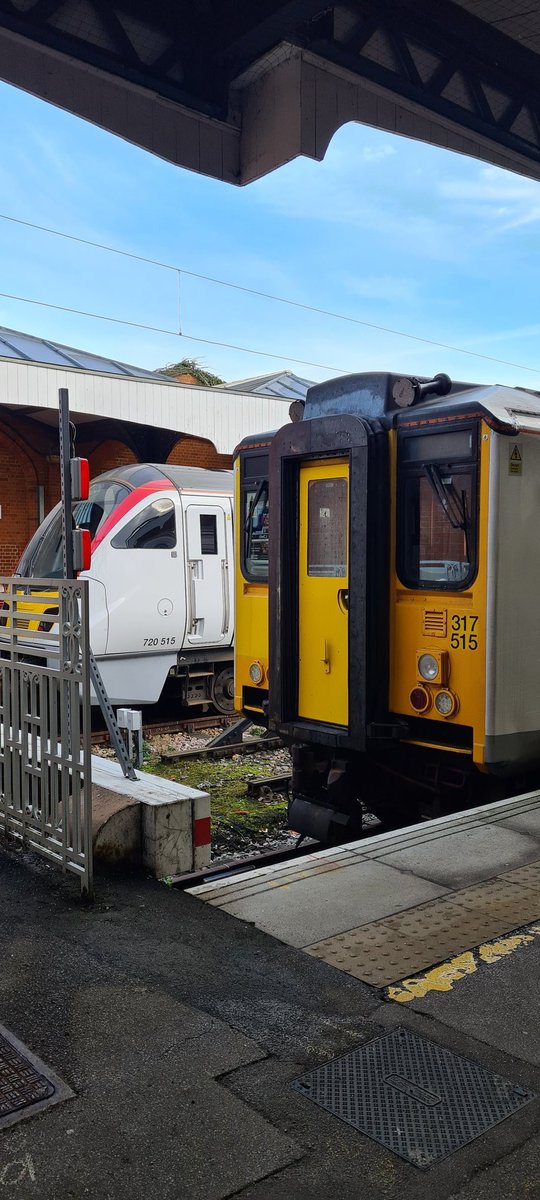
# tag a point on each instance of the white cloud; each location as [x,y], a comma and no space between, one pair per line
[377,153]
[507,201]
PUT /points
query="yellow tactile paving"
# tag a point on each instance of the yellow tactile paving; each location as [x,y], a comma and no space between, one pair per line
[398,946]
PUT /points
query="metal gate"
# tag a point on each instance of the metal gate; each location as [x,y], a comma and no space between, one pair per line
[45,752]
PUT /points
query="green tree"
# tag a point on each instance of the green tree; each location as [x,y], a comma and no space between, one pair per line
[191,366]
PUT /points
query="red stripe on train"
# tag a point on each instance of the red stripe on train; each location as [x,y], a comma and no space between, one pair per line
[125,506]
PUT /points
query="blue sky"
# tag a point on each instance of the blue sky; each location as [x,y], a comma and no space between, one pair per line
[385,230]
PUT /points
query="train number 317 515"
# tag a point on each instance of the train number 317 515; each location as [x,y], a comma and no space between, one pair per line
[464,636]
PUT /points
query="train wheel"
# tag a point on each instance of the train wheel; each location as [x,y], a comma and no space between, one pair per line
[223,691]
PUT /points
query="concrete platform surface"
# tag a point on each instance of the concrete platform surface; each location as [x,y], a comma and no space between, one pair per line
[393,904]
[181,1030]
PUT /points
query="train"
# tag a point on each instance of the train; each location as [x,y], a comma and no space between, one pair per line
[387,579]
[161,581]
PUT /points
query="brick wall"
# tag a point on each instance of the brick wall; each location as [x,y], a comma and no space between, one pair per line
[197,452]
[20,474]
[108,455]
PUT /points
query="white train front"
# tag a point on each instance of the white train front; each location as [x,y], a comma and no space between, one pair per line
[161,580]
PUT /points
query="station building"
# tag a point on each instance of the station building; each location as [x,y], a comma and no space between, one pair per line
[122,414]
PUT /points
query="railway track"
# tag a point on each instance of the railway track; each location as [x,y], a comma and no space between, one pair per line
[100,737]
[264,858]
[190,725]
[249,746]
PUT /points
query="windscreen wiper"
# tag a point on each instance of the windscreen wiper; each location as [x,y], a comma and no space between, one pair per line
[263,486]
[453,505]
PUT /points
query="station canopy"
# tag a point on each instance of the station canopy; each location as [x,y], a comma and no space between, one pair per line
[233,88]
[26,347]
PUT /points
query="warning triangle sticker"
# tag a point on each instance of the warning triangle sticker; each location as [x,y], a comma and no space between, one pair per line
[515,455]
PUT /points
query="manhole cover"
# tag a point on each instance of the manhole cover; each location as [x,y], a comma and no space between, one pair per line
[416,1098]
[26,1084]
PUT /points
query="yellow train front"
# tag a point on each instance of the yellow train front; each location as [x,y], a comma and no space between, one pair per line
[395,542]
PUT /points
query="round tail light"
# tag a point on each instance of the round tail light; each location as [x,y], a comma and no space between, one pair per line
[420,699]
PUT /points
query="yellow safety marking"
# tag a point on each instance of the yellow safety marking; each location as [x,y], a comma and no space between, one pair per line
[491,952]
[439,979]
[443,977]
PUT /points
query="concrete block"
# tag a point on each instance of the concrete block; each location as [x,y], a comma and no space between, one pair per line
[167,836]
[116,826]
[156,821]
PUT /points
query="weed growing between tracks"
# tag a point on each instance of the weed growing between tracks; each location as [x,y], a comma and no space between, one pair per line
[239,822]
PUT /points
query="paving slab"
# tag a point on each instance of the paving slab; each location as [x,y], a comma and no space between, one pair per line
[181,1029]
[289,1003]
[525,822]
[460,859]
[382,952]
[496,1001]
[517,1177]
[149,1115]
[322,904]
[343,1162]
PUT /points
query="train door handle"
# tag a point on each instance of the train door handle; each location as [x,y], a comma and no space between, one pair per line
[325,658]
[343,599]
[225,596]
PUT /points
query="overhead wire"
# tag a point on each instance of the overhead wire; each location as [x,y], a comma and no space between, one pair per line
[80,312]
[179,270]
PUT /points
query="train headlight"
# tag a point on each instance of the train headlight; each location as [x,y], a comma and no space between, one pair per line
[256,672]
[428,667]
[446,704]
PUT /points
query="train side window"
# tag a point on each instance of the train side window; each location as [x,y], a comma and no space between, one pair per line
[208,533]
[327,528]
[152,529]
[437,517]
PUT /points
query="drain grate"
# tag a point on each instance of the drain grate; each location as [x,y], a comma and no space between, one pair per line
[26,1084]
[417,1099]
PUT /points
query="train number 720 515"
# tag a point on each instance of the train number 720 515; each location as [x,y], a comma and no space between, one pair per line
[164,641]
[464,635]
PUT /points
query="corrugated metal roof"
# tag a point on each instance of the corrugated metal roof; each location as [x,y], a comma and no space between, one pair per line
[28,348]
[284,385]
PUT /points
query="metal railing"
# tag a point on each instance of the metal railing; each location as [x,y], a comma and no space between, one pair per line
[45,752]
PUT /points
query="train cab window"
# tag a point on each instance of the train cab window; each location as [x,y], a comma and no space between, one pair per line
[43,557]
[327,528]
[152,529]
[436,503]
[103,498]
[254,491]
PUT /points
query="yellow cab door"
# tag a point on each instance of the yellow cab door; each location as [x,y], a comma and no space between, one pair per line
[323,581]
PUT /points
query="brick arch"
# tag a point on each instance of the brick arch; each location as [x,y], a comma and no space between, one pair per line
[18,500]
[110,454]
[198,452]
